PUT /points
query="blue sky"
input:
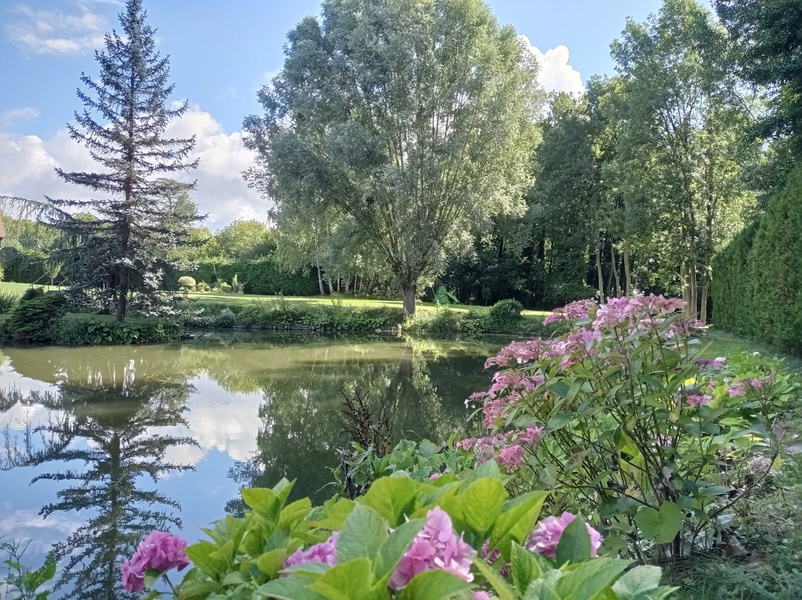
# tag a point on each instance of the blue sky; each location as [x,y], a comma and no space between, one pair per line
[221,52]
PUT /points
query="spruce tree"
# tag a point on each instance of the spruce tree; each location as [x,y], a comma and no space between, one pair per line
[122,236]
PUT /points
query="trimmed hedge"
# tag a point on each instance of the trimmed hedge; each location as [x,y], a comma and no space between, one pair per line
[757,286]
[262,277]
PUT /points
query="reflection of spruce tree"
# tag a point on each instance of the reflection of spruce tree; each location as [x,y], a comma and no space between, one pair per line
[106,426]
[302,422]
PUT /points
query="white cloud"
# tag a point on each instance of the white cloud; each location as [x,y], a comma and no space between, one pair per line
[555,74]
[54,31]
[15,115]
[27,163]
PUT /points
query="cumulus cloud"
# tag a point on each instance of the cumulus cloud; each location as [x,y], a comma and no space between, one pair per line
[55,31]
[27,163]
[15,115]
[555,74]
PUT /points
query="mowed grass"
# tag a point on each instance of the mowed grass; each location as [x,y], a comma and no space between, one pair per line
[19,288]
[245,299]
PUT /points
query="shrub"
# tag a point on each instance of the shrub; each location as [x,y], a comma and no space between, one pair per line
[505,314]
[223,287]
[35,318]
[453,537]
[202,286]
[8,301]
[757,285]
[262,277]
[96,330]
[188,283]
[622,416]
[224,319]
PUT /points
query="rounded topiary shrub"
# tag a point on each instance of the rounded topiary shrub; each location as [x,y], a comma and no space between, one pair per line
[187,282]
[506,311]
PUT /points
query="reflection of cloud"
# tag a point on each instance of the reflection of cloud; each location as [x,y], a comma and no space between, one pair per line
[555,74]
[54,31]
[26,524]
[217,419]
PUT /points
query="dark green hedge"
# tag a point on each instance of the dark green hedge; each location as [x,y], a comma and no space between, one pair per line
[757,286]
[261,277]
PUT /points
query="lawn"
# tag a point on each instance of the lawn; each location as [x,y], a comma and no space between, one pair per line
[19,288]
[340,300]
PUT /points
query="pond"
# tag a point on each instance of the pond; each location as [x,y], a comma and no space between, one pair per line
[101,445]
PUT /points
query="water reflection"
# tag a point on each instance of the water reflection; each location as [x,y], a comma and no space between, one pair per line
[107,436]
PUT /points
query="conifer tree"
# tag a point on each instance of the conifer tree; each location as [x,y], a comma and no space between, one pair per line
[122,247]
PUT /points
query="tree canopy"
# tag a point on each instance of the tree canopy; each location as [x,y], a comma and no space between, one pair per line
[414,118]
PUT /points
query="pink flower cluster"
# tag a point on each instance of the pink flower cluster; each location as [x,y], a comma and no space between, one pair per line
[160,551]
[571,312]
[436,547]
[508,448]
[324,552]
[698,399]
[545,538]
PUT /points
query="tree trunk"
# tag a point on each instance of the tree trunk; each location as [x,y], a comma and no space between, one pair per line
[703,304]
[599,274]
[320,281]
[627,274]
[694,306]
[410,292]
[683,277]
[122,299]
[614,266]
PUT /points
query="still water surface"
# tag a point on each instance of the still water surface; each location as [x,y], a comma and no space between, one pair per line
[102,445]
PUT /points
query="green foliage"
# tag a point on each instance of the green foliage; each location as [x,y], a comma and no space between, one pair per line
[97,330]
[366,75]
[261,277]
[291,315]
[8,301]
[505,314]
[443,296]
[633,426]
[36,317]
[21,582]
[245,557]
[759,291]
[188,283]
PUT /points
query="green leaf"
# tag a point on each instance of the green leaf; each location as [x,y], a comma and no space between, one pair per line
[270,563]
[541,590]
[590,578]
[574,545]
[516,521]
[661,526]
[235,578]
[264,502]
[392,498]
[558,421]
[294,512]
[336,515]
[526,567]
[198,588]
[287,588]
[481,505]
[433,585]
[151,577]
[393,549]
[349,580]
[363,533]
[635,582]
[204,555]
[501,587]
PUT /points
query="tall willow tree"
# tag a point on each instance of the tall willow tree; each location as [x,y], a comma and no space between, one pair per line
[123,248]
[412,117]
[679,143]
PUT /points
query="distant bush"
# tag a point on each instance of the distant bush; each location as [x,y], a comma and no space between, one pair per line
[262,277]
[96,330]
[187,282]
[35,318]
[506,313]
[8,301]
[225,319]
[757,279]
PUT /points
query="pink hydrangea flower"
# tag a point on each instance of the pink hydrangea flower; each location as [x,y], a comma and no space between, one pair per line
[133,572]
[161,551]
[545,538]
[718,362]
[436,547]
[511,456]
[324,552]
[697,399]
[482,595]
[736,389]
[756,383]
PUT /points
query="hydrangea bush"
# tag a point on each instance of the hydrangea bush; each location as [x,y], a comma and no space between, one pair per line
[454,537]
[625,418]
